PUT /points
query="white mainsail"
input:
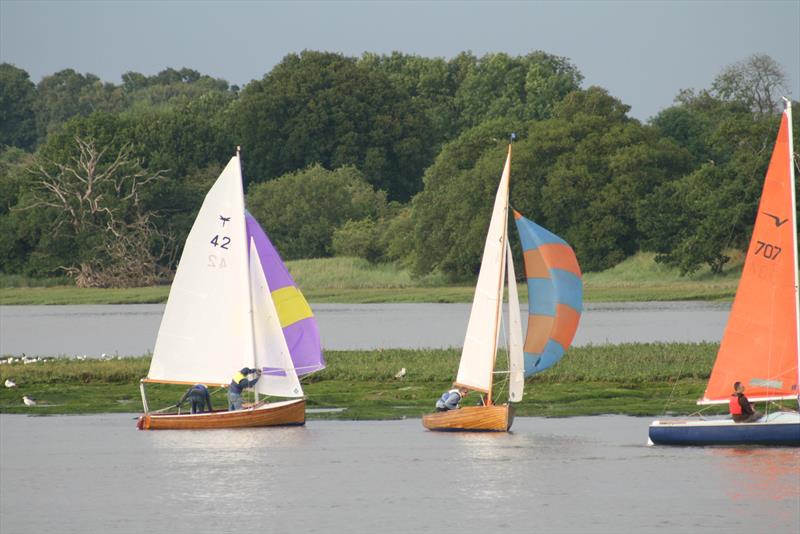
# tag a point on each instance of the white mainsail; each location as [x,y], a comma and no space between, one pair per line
[480,343]
[516,362]
[279,377]
[206,332]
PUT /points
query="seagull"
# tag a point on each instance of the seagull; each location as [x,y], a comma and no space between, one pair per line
[10,383]
[28,401]
[400,374]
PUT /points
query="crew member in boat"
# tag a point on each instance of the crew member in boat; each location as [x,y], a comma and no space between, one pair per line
[741,409]
[450,399]
[198,397]
[239,383]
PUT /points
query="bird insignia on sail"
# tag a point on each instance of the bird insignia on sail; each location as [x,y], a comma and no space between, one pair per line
[778,221]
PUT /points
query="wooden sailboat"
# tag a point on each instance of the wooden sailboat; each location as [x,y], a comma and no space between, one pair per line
[760,344]
[554,304]
[233,304]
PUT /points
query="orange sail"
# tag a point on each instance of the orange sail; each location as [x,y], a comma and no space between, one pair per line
[759,348]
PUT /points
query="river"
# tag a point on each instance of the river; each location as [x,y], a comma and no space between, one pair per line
[130,330]
[97,473]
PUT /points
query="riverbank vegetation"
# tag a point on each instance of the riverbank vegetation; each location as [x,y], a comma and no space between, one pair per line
[391,158]
[355,280]
[633,379]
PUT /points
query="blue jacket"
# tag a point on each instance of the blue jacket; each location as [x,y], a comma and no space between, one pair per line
[198,393]
[449,400]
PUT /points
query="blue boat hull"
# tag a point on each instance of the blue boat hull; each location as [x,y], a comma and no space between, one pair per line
[786,434]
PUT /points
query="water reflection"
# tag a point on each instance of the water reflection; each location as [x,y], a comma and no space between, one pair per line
[99,474]
[759,474]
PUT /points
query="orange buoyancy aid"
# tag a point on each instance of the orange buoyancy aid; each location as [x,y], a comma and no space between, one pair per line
[733,403]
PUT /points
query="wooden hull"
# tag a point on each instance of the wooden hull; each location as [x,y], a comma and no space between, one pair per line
[495,418]
[780,429]
[291,412]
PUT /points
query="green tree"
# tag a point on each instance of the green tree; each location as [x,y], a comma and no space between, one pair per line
[324,108]
[17,99]
[580,174]
[67,94]
[301,210]
[359,238]
[698,218]
[522,87]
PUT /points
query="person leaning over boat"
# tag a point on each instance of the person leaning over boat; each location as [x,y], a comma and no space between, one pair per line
[450,399]
[198,397]
[238,384]
[741,409]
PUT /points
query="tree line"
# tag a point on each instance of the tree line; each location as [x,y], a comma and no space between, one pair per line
[388,157]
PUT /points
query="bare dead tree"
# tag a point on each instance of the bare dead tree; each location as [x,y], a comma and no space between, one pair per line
[759,81]
[94,194]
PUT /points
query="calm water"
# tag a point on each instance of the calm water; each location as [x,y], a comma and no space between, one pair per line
[132,329]
[98,474]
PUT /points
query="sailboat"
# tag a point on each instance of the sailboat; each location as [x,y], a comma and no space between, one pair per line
[760,345]
[555,296]
[233,304]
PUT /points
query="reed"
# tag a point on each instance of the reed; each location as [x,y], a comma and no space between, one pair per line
[354,280]
[636,379]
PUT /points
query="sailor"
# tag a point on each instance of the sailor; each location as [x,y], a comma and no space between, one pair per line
[450,399]
[198,398]
[239,383]
[741,409]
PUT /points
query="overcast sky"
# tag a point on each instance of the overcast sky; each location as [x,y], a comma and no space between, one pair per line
[643,52]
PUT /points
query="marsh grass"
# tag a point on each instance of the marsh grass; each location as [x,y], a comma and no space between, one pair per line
[18,280]
[635,379]
[640,278]
[355,280]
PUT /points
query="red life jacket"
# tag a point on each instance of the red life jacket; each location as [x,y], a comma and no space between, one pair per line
[733,402]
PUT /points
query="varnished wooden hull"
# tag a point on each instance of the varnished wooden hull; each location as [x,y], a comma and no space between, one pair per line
[495,418]
[291,412]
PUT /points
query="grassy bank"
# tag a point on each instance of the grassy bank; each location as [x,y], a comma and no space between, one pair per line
[352,280]
[634,379]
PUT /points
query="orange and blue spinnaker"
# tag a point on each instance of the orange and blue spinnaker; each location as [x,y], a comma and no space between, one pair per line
[555,295]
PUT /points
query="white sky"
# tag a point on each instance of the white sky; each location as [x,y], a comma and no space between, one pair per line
[643,52]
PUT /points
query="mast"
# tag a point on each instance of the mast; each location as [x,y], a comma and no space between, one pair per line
[251,344]
[499,307]
[794,234]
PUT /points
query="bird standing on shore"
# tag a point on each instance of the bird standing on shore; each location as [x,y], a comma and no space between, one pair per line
[10,383]
[400,374]
[28,401]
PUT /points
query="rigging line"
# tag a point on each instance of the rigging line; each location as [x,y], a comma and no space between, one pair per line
[700,411]
[783,408]
[675,385]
